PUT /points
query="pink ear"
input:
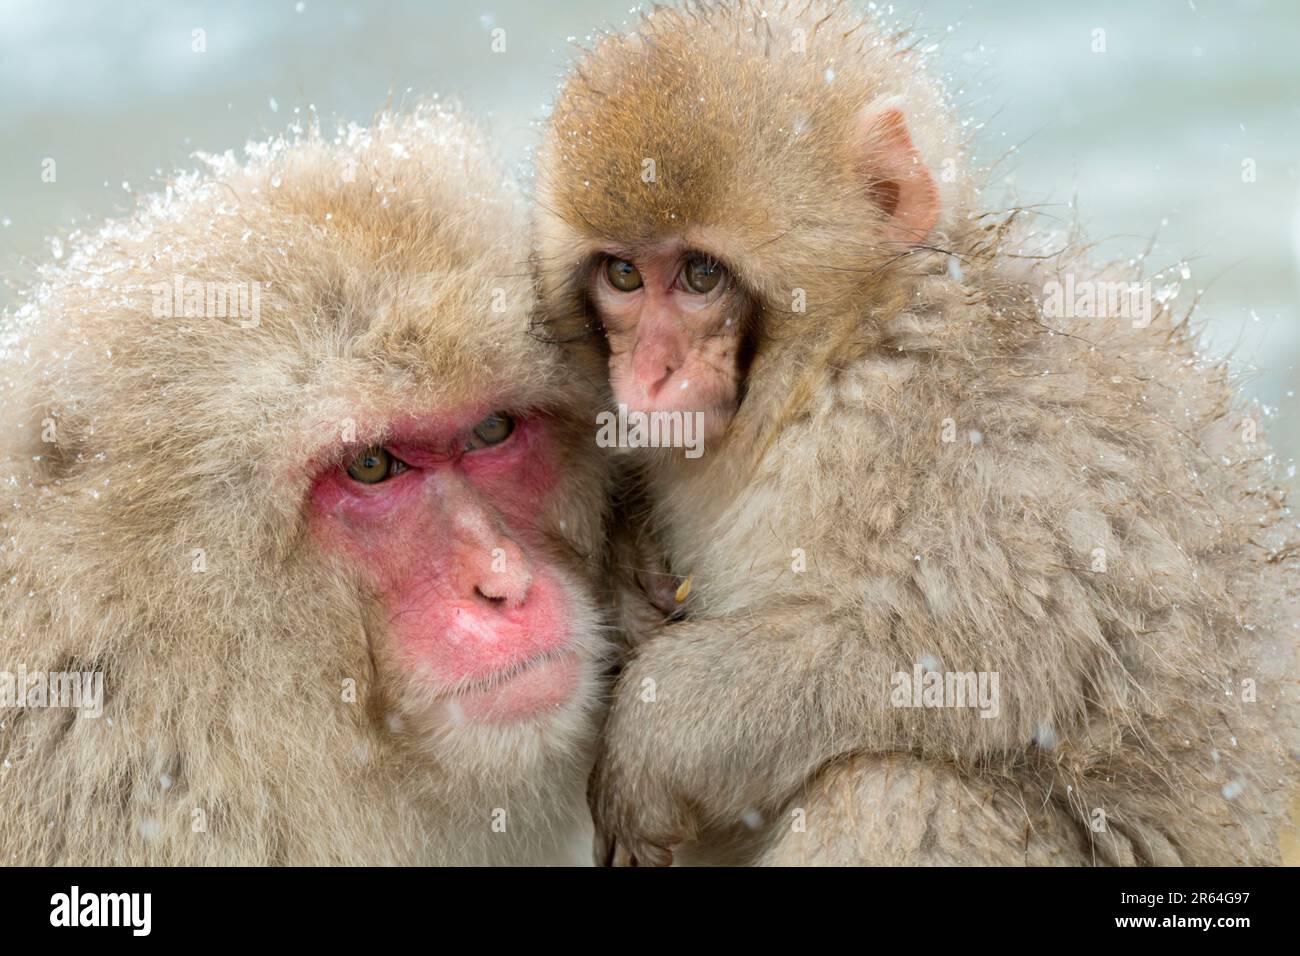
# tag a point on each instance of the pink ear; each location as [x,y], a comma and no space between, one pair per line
[899,179]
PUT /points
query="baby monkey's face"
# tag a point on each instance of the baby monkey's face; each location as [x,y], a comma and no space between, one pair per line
[674,318]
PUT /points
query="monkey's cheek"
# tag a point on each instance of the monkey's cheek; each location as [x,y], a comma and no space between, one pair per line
[717,420]
[533,693]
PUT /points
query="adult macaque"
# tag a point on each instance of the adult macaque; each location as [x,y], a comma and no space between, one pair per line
[969,582]
[284,468]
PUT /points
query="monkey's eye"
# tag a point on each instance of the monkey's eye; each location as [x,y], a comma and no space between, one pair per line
[622,275]
[374,465]
[492,430]
[702,274]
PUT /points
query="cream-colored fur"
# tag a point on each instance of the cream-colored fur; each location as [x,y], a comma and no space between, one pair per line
[1074,504]
[152,522]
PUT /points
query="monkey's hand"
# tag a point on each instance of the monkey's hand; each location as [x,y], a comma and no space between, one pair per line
[637,817]
[645,595]
[714,722]
[625,835]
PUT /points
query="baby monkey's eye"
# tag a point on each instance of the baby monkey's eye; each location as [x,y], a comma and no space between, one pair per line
[374,465]
[622,275]
[702,274]
[492,430]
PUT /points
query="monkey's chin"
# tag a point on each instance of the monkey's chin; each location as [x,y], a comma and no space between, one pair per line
[530,691]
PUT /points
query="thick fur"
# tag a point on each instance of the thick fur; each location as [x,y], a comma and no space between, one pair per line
[1121,689]
[227,737]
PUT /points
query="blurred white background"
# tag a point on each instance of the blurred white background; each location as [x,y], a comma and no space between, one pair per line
[1149,135]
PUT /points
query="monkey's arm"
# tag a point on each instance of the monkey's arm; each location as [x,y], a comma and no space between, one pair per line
[899,810]
[714,720]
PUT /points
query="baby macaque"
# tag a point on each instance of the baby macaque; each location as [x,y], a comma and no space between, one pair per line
[300,529]
[970,577]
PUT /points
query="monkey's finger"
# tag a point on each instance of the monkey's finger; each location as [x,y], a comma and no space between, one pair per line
[622,856]
[649,854]
[640,853]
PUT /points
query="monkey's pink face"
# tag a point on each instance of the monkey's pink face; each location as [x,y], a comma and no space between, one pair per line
[443,523]
[674,325]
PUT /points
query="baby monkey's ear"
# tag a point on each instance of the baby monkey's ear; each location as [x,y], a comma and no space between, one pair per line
[895,173]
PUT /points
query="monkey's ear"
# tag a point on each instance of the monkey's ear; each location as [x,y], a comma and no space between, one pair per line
[896,175]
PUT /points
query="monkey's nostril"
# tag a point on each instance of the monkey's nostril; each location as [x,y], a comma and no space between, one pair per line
[504,591]
[654,390]
[496,599]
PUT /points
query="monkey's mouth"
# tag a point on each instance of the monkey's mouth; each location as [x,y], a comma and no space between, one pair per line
[527,690]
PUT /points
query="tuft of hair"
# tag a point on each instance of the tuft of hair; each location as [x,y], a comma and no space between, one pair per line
[736,126]
[168,389]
